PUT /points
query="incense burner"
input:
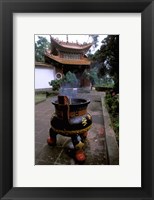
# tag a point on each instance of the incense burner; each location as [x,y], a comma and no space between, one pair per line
[71,119]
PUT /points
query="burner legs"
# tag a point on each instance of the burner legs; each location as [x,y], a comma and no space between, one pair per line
[84,136]
[52,138]
[78,143]
[79,152]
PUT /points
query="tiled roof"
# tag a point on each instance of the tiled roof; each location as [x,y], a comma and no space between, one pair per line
[83,61]
[70,46]
[73,46]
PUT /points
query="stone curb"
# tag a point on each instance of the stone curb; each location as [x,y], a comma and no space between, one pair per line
[112,146]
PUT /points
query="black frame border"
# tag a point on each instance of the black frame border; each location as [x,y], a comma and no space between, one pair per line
[7,8]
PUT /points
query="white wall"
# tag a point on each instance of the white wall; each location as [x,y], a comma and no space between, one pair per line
[43,76]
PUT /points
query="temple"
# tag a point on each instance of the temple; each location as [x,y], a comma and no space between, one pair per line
[66,56]
[63,57]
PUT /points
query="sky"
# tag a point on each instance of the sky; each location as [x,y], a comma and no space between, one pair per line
[73,38]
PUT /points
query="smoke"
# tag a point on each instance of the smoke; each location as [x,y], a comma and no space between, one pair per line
[70,92]
[70,85]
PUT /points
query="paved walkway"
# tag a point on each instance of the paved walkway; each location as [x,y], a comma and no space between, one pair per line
[96,150]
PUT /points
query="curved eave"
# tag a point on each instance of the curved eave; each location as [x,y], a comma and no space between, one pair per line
[45,65]
[69,48]
[84,61]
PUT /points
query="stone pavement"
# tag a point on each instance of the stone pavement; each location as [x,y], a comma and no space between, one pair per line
[96,149]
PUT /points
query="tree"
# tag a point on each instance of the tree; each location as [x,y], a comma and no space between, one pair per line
[40,46]
[94,42]
[95,39]
[108,57]
[91,75]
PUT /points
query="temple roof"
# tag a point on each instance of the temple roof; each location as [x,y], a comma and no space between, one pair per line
[65,61]
[41,64]
[69,47]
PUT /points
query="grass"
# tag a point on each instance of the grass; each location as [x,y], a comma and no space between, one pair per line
[39,98]
[104,85]
[43,95]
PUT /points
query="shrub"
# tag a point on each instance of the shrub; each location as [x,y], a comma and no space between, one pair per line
[56,84]
[70,80]
[112,103]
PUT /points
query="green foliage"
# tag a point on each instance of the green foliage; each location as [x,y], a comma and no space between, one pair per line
[108,56]
[70,80]
[105,82]
[40,46]
[112,103]
[92,75]
[39,97]
[95,39]
[56,84]
[90,56]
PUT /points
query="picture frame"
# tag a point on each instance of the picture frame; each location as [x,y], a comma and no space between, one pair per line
[7,8]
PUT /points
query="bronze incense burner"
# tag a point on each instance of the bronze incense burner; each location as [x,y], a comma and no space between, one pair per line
[71,119]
